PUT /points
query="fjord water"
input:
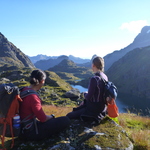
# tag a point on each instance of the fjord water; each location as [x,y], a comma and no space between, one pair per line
[127,103]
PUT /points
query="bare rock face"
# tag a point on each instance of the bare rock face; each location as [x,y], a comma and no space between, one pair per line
[131,74]
[11,55]
[141,40]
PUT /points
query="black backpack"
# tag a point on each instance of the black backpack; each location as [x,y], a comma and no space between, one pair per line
[10,99]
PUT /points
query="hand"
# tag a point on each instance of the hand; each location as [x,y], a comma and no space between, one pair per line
[81,103]
[85,93]
[49,117]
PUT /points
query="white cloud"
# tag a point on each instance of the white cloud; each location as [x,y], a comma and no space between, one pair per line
[134,26]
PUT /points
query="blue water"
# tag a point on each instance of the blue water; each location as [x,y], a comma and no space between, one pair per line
[80,88]
[126,102]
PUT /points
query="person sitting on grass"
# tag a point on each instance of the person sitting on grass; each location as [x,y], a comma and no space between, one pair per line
[36,125]
[93,108]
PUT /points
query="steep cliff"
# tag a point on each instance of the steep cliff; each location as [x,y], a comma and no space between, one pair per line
[11,55]
[131,73]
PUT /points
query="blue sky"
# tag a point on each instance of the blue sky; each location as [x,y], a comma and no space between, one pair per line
[72,27]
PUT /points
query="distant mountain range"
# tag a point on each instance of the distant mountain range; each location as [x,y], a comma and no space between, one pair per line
[39,57]
[40,60]
[51,62]
[68,66]
[141,40]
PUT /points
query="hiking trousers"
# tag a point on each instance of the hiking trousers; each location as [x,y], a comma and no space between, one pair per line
[46,129]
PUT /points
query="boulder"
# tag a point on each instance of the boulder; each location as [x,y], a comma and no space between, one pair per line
[74,93]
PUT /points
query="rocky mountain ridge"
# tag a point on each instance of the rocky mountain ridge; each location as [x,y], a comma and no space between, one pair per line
[141,40]
[10,55]
[131,73]
[46,64]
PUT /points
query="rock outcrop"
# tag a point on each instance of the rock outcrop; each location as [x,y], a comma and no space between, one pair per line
[74,93]
[85,136]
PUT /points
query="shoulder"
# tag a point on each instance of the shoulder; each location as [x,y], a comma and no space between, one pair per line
[28,93]
[104,76]
[95,79]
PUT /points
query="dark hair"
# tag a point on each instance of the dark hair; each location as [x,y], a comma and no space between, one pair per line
[99,63]
[37,76]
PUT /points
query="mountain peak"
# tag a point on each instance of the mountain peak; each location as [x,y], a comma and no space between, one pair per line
[145,29]
[67,63]
[11,55]
[141,40]
[2,38]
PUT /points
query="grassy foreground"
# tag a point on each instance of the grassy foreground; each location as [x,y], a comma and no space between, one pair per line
[137,127]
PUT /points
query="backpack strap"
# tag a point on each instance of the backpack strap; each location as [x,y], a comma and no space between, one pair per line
[3,134]
[27,92]
[13,109]
[99,75]
[24,94]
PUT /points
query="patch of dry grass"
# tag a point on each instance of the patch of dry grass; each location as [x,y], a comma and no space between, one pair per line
[58,111]
[138,129]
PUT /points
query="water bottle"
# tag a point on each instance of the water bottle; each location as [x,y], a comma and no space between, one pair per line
[16,121]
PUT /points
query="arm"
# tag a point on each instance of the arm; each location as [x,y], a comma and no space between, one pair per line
[91,89]
[37,109]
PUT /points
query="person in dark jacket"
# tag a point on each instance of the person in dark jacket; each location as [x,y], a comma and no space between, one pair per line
[93,108]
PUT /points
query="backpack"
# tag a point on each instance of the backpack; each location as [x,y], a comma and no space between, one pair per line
[10,99]
[110,95]
[110,91]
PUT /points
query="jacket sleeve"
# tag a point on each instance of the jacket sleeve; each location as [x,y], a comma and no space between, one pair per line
[37,108]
